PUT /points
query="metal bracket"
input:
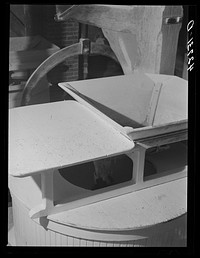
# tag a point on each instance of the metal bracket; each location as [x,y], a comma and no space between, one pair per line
[85,46]
[173,20]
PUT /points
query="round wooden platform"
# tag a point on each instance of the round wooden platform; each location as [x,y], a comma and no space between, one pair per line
[155,216]
[134,210]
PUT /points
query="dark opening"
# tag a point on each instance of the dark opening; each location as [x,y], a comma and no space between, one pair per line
[170,158]
[102,66]
[83,175]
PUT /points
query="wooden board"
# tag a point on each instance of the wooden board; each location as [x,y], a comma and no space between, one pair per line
[57,135]
[158,130]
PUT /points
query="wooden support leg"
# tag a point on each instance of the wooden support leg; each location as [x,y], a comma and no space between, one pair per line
[47,196]
[138,158]
[48,207]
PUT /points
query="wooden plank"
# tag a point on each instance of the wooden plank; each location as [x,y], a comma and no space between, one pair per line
[102,244]
[83,242]
[59,137]
[76,242]
[70,241]
[48,237]
[53,238]
[150,131]
[90,243]
[153,104]
[63,240]
[164,139]
[138,157]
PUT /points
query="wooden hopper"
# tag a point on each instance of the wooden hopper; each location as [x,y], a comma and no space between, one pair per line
[68,134]
[142,37]
[51,195]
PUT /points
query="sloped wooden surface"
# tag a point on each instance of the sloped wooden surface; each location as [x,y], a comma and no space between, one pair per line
[125,99]
[132,100]
[173,101]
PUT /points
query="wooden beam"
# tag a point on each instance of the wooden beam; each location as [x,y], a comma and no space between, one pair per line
[151,131]
[47,203]
[153,104]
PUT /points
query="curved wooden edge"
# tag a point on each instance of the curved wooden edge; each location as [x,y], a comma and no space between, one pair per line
[46,66]
[58,57]
[180,222]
